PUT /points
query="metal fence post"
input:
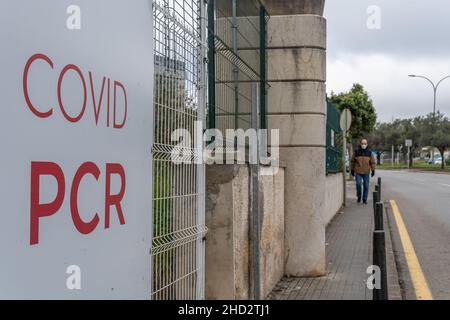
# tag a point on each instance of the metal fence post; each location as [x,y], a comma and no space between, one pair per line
[234,37]
[211,67]
[201,170]
[262,66]
[255,209]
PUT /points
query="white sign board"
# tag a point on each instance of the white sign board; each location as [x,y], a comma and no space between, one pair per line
[408,143]
[332,138]
[75,175]
[345,120]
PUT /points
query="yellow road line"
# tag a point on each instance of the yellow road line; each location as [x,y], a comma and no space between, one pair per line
[418,278]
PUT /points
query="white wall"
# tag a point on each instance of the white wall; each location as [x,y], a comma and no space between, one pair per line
[334,190]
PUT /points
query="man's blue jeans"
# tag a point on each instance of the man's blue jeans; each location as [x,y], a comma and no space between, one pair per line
[362,179]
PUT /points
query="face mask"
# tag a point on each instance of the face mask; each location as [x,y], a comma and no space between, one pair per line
[364,146]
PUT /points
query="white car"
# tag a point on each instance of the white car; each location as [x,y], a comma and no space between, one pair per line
[437,160]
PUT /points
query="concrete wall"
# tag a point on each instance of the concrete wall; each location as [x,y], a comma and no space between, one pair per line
[334,195]
[226,265]
[227,243]
[272,230]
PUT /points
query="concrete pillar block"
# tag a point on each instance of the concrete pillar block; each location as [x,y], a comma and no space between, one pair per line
[299,129]
[297,31]
[288,7]
[274,7]
[296,64]
[296,105]
[296,97]
[304,204]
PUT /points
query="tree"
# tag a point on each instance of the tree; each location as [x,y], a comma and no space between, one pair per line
[435,132]
[364,117]
[383,137]
[407,129]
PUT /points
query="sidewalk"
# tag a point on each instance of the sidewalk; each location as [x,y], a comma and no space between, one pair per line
[348,254]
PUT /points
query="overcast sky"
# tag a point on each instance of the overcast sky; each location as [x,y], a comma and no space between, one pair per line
[414,39]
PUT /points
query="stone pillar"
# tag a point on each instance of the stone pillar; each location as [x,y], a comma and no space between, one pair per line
[296,106]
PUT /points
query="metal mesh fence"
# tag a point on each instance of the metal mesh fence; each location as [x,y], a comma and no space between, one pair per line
[178,209]
[237,94]
[237,60]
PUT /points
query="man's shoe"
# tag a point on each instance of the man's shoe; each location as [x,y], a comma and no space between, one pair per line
[359,200]
[365,202]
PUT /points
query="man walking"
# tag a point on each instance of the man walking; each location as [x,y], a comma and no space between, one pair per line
[361,164]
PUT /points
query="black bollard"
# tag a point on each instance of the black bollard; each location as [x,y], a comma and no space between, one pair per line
[375,200]
[379,188]
[379,216]
[380,292]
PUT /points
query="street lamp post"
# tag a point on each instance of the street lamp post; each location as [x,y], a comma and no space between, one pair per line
[435,87]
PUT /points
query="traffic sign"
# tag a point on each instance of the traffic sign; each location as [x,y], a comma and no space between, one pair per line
[346,120]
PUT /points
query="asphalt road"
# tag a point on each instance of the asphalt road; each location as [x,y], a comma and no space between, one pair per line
[424,202]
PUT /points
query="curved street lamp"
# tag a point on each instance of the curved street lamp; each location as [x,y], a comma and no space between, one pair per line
[435,87]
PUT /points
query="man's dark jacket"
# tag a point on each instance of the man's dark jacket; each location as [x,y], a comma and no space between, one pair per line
[362,161]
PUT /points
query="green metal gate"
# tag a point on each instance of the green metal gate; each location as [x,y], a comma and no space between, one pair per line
[333,140]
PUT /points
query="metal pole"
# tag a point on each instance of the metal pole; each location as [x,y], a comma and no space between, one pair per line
[255,209]
[262,68]
[379,259]
[434,100]
[234,27]
[211,68]
[392,156]
[434,121]
[344,160]
[201,174]
[409,157]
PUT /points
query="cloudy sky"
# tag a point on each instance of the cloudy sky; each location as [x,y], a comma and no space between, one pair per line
[414,38]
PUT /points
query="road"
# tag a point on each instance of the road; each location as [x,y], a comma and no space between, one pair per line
[423,199]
